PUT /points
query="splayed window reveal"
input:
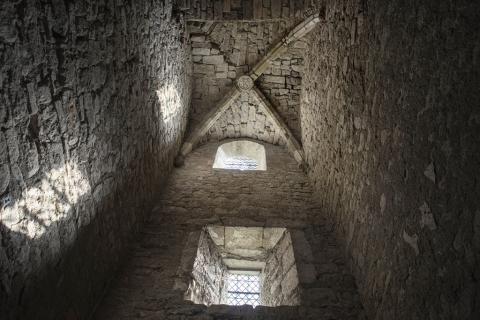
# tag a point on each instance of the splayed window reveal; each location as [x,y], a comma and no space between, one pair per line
[242,265]
[241,155]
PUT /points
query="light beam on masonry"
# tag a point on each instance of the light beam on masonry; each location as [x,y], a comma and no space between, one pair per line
[49,201]
[170,102]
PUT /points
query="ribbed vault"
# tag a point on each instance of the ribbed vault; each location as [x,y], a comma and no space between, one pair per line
[244,110]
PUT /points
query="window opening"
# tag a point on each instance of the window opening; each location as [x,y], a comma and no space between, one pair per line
[241,163]
[240,155]
[243,289]
[236,265]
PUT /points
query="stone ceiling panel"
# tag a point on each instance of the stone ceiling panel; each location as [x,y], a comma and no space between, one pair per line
[237,244]
[271,237]
[239,264]
[221,53]
[217,233]
[281,83]
[243,238]
[246,119]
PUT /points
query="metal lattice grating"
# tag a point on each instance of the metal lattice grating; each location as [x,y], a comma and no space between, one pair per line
[241,163]
[243,289]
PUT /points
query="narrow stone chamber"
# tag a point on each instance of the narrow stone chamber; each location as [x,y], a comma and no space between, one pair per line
[160,273]
[330,159]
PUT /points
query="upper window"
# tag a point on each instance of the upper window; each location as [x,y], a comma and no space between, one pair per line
[240,155]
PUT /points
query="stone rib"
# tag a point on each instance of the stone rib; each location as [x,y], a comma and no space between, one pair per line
[292,144]
[210,118]
[298,32]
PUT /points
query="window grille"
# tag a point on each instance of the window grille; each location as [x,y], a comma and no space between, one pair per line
[243,289]
[241,155]
[240,163]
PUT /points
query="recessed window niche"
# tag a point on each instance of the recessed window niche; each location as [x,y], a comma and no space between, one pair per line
[240,265]
[241,155]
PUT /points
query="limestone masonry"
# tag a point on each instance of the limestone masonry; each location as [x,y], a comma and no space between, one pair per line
[84,142]
[349,185]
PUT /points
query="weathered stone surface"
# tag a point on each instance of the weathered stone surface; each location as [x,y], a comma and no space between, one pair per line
[251,244]
[93,105]
[255,10]
[208,273]
[203,69]
[201,51]
[217,233]
[274,79]
[388,126]
[197,196]
[384,97]
[240,47]
[271,236]
[280,279]
[213,59]
[4,177]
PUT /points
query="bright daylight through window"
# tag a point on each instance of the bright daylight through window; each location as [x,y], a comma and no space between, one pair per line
[240,155]
[243,289]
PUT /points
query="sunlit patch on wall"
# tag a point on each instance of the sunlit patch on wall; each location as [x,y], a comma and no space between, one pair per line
[170,102]
[50,200]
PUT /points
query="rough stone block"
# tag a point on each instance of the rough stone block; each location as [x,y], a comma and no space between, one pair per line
[306,272]
[214,59]
[4,177]
[197,38]
[200,51]
[274,79]
[203,68]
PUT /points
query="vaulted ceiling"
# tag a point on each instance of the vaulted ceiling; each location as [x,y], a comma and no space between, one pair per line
[247,81]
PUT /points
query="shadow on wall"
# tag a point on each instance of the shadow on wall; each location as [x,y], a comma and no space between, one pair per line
[35,229]
[74,144]
[64,228]
[61,241]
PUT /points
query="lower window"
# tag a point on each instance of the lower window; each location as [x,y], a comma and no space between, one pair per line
[237,266]
[243,289]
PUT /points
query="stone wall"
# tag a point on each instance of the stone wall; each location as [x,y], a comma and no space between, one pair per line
[280,286]
[221,53]
[282,84]
[93,104]
[244,10]
[209,273]
[390,124]
[195,196]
